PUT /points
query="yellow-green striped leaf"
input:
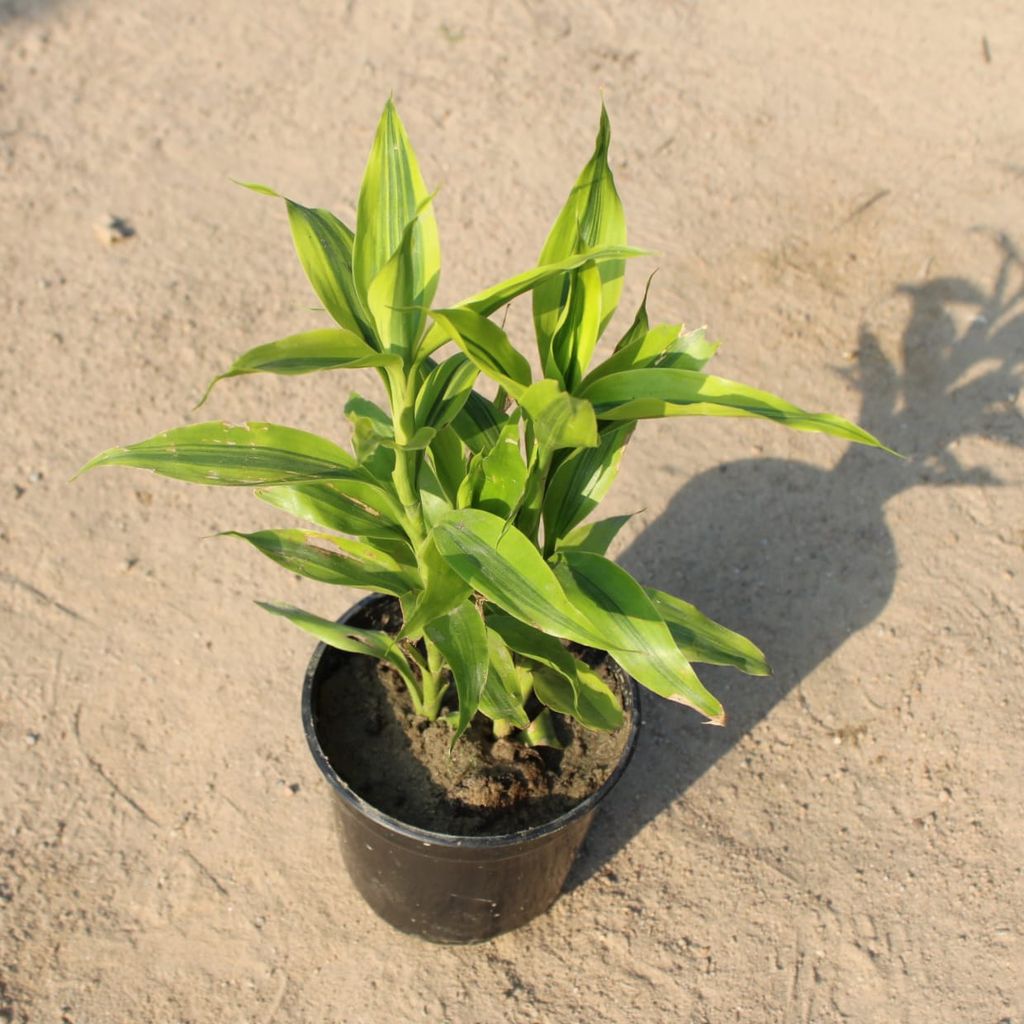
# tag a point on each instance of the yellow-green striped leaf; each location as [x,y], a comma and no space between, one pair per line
[324,247]
[462,640]
[502,699]
[223,454]
[559,420]
[635,634]
[595,537]
[654,392]
[391,198]
[371,642]
[641,352]
[350,506]
[478,423]
[502,474]
[326,558]
[325,349]
[444,392]
[704,640]
[443,590]
[487,345]
[592,217]
[399,295]
[579,483]
[497,560]
[570,687]
[498,295]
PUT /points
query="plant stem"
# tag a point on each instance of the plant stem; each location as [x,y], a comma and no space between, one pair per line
[403,413]
[408,495]
[433,688]
[402,391]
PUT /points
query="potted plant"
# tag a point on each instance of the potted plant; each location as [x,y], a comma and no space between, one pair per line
[471,715]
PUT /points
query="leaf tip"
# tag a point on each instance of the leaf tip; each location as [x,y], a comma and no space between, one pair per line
[718,720]
[96,460]
[255,186]
[206,393]
[604,132]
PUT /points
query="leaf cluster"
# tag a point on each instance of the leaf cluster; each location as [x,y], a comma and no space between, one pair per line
[476,512]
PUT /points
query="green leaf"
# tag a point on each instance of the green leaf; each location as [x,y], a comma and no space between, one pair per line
[490,299]
[398,295]
[432,495]
[329,559]
[559,420]
[541,733]
[324,247]
[326,349]
[373,438]
[354,507]
[391,199]
[478,423]
[487,345]
[579,483]
[704,640]
[462,640]
[502,474]
[565,355]
[591,218]
[641,352]
[443,591]
[501,563]
[574,345]
[502,699]
[640,325]
[372,642]
[590,701]
[449,461]
[635,635]
[652,392]
[692,351]
[227,455]
[595,537]
[445,391]
[263,190]
[357,406]
[470,486]
[572,687]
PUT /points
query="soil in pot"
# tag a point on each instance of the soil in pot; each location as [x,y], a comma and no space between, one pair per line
[485,786]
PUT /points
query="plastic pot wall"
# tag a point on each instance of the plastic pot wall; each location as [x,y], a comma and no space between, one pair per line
[444,888]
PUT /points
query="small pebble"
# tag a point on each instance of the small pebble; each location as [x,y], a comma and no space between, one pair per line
[110,230]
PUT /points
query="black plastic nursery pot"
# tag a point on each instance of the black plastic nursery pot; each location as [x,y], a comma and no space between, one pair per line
[447,888]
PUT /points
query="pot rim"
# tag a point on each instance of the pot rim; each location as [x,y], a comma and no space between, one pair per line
[425,836]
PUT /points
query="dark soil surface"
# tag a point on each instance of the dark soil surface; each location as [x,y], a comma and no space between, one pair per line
[485,786]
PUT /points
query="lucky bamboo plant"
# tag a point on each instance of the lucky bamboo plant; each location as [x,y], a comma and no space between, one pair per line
[474,511]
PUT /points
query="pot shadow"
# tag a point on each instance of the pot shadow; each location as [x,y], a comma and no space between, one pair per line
[800,558]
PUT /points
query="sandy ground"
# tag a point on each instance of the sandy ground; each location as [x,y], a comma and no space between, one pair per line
[838,190]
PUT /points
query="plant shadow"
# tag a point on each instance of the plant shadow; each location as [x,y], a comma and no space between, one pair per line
[801,558]
[27,10]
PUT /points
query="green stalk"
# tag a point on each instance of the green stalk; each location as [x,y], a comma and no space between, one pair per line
[403,418]
[403,412]
[408,495]
[433,689]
